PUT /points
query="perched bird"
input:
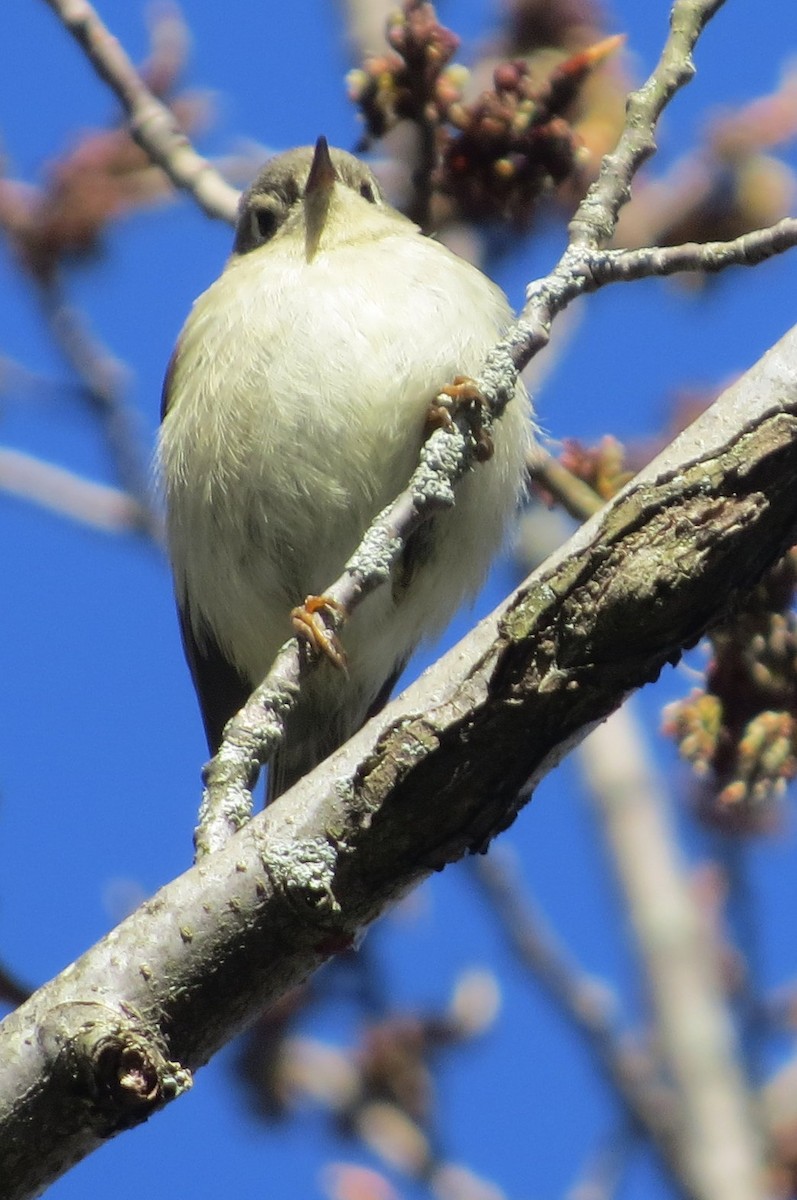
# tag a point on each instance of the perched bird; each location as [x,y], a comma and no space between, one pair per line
[294,409]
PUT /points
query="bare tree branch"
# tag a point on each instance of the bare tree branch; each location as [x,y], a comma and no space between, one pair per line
[440,772]
[596,218]
[722,1153]
[68,494]
[588,1005]
[745,251]
[101,377]
[152,124]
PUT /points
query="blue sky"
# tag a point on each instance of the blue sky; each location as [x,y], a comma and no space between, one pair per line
[100,741]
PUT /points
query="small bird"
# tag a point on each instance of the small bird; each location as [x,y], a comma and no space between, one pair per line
[294,409]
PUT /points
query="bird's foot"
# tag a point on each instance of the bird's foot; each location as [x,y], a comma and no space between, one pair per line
[309,625]
[468,399]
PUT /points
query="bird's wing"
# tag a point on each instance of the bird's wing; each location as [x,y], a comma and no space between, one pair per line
[167,382]
[220,688]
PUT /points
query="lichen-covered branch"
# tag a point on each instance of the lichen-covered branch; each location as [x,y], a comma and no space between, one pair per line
[255,732]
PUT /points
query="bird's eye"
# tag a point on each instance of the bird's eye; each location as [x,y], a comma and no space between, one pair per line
[263,224]
[258,224]
[367,192]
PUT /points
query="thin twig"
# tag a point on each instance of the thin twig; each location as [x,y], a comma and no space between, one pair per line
[101,376]
[587,1006]
[152,124]
[620,266]
[581,271]
[720,1147]
[254,733]
[576,497]
[596,218]
[68,494]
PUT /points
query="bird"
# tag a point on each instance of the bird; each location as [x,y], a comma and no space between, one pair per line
[294,408]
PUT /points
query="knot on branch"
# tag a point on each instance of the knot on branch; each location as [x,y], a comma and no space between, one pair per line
[115,1066]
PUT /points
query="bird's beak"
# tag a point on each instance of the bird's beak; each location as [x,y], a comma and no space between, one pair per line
[317,194]
[322,171]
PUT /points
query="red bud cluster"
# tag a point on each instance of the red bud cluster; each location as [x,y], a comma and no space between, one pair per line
[492,157]
[412,83]
[517,141]
[601,466]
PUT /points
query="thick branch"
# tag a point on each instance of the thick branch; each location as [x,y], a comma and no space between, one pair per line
[437,774]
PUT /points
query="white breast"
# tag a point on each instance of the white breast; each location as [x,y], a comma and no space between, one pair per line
[297,410]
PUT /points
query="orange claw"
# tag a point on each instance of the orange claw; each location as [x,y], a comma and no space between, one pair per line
[467,397]
[464,390]
[309,625]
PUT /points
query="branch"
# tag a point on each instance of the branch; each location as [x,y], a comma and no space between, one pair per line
[152,124]
[587,1005]
[596,218]
[581,271]
[720,1151]
[437,774]
[101,378]
[68,494]
[613,266]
